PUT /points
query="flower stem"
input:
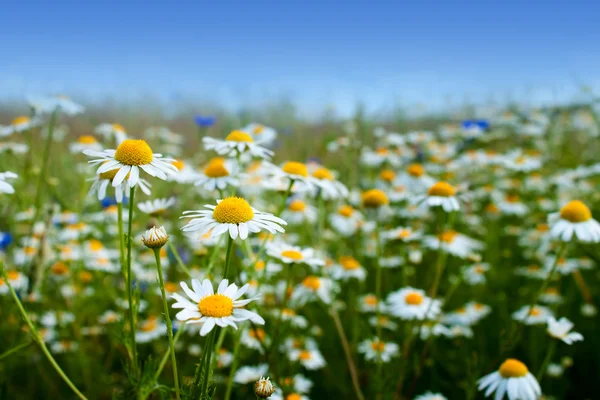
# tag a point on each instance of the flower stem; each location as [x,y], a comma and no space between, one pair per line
[15,349]
[45,159]
[163,362]
[36,336]
[236,353]
[121,237]
[546,361]
[208,350]
[169,323]
[178,259]
[129,289]
[228,257]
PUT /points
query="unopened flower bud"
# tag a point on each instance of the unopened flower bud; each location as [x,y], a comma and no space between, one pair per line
[155,238]
[263,388]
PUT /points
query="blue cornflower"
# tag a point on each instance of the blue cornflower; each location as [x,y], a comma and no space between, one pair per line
[205,121]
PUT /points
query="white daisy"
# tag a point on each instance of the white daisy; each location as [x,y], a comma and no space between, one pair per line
[298,213]
[430,396]
[217,174]
[409,303]
[233,215]
[310,358]
[129,157]
[375,350]
[47,105]
[18,281]
[110,131]
[6,187]
[20,124]
[346,220]
[537,315]
[404,234]
[330,187]
[313,288]
[156,207]
[103,180]
[209,308]
[260,133]
[513,379]
[348,267]
[440,194]
[237,143]
[561,330]
[574,219]
[454,243]
[289,254]
[247,374]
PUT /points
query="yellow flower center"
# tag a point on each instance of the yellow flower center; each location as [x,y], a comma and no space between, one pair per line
[542,228]
[404,233]
[349,263]
[216,306]
[260,265]
[443,189]
[216,168]
[239,136]
[95,245]
[387,175]
[86,139]
[492,208]
[382,151]
[233,210]
[118,127]
[295,168]
[447,236]
[20,120]
[323,173]
[179,164]
[415,170]
[59,268]
[288,312]
[149,325]
[345,211]
[413,298]
[293,254]
[257,334]
[305,355]
[171,287]
[258,129]
[512,368]
[86,276]
[512,198]
[374,198]
[575,211]
[134,152]
[370,300]
[535,312]
[297,206]
[378,346]
[293,396]
[312,282]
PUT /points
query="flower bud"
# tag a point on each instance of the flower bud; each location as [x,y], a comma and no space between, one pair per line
[155,238]
[263,388]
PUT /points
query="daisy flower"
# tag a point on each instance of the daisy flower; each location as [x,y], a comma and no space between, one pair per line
[368,303]
[247,374]
[409,303]
[329,186]
[511,205]
[475,274]
[260,133]
[18,281]
[6,187]
[298,212]
[237,143]
[129,157]
[440,194]
[537,315]
[217,174]
[156,207]
[209,308]
[20,124]
[85,142]
[289,254]
[431,396]
[186,174]
[401,233]
[375,350]
[346,220]
[313,288]
[102,180]
[454,243]
[551,296]
[110,131]
[309,358]
[47,105]
[561,330]
[233,215]
[512,379]
[574,219]
[255,339]
[348,267]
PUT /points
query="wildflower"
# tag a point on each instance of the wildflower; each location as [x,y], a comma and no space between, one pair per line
[129,157]
[236,143]
[155,238]
[293,254]
[233,215]
[401,233]
[310,358]
[150,329]
[561,330]
[375,349]
[409,303]
[249,374]
[475,274]
[574,219]
[513,379]
[18,281]
[430,396]
[6,187]
[20,124]
[537,315]
[348,267]
[205,121]
[217,174]
[454,243]
[110,131]
[85,142]
[346,220]
[441,194]
[374,198]
[255,338]
[210,309]
[260,133]
[298,212]
[330,187]
[103,180]
[312,288]
[263,388]
[47,105]
[156,207]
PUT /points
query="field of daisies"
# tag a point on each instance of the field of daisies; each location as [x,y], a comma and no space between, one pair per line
[349,260]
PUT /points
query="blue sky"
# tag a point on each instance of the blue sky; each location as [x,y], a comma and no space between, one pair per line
[317,53]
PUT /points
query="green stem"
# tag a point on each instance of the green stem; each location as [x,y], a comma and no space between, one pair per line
[46,158]
[129,289]
[121,237]
[15,349]
[236,352]
[165,358]
[169,323]
[228,256]
[36,336]
[178,258]
[546,361]
[275,346]
[208,349]
[213,257]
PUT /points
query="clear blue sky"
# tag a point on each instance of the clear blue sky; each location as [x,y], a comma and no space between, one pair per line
[315,52]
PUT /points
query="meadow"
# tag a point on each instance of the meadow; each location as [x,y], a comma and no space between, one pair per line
[258,255]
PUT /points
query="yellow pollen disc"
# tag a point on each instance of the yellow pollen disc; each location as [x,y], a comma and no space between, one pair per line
[404,233]
[149,325]
[378,346]
[478,306]
[535,312]
[233,210]
[258,334]
[345,211]
[86,276]
[551,291]
[216,168]
[118,127]
[575,211]
[171,287]
[312,282]
[258,129]
[59,268]
[387,175]
[492,208]
[239,136]
[288,312]
[512,368]
[370,300]
[305,355]
[512,198]
[323,173]
[349,262]
[461,310]
[374,198]
[95,245]
[259,266]
[297,206]
[542,228]
[134,152]
[295,168]
[415,170]
[443,189]
[13,275]
[20,120]
[86,139]
[293,396]
[178,164]
[293,254]
[288,381]
[447,236]
[382,151]
[479,270]
[29,250]
[413,298]
[216,306]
